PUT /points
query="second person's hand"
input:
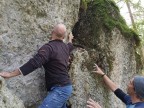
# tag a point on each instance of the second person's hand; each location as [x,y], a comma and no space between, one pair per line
[98,70]
[92,104]
[5,74]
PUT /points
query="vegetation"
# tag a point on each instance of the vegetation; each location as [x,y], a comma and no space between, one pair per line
[97,17]
[107,12]
[136,14]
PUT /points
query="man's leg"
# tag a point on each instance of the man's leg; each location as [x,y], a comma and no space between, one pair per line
[57,97]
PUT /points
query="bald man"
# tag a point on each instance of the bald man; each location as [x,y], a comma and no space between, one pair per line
[54,57]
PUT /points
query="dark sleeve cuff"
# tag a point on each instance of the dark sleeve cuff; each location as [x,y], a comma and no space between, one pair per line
[26,68]
[122,96]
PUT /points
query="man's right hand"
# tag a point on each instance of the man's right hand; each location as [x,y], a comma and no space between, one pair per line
[10,74]
[5,74]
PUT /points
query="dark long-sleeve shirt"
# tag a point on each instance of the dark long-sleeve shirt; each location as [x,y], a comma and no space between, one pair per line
[127,99]
[54,57]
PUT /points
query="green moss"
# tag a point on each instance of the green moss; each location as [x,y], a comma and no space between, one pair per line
[106,14]
[99,17]
[84,4]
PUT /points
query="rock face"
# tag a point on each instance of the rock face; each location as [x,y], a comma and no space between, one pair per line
[25,26]
[108,42]
[87,85]
[99,28]
[7,99]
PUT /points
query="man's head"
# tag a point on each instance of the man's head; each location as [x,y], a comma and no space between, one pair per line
[59,31]
[139,86]
[136,87]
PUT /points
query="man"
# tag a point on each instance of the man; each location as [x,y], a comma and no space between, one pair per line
[135,90]
[54,57]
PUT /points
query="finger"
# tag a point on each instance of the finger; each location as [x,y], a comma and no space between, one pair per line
[94,71]
[91,103]
[89,106]
[92,100]
[98,105]
[95,104]
[95,64]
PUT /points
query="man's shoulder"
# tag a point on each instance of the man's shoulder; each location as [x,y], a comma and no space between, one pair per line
[139,105]
[45,46]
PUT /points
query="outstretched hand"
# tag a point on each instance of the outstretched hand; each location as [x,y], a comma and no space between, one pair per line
[98,70]
[92,104]
[70,37]
[10,74]
[5,74]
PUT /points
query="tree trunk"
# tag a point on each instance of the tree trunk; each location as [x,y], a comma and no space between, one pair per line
[131,15]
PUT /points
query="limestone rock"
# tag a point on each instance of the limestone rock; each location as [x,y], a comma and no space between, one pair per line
[25,26]
[7,98]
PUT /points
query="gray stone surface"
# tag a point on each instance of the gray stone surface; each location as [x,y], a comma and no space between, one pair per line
[8,99]
[25,25]
[88,85]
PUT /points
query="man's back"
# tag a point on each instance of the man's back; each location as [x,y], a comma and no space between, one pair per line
[56,72]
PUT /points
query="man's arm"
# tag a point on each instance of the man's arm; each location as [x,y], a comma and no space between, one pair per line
[118,92]
[10,74]
[91,103]
[106,79]
[37,61]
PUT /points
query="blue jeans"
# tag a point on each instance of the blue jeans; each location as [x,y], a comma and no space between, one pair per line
[57,97]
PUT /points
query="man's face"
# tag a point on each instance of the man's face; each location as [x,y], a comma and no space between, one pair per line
[130,87]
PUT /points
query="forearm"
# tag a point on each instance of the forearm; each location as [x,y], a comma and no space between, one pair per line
[28,67]
[110,83]
[122,96]
[15,73]
[37,61]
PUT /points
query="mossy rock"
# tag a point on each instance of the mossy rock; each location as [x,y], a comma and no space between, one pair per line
[100,14]
[99,17]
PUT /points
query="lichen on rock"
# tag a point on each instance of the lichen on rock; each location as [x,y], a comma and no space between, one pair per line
[7,98]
